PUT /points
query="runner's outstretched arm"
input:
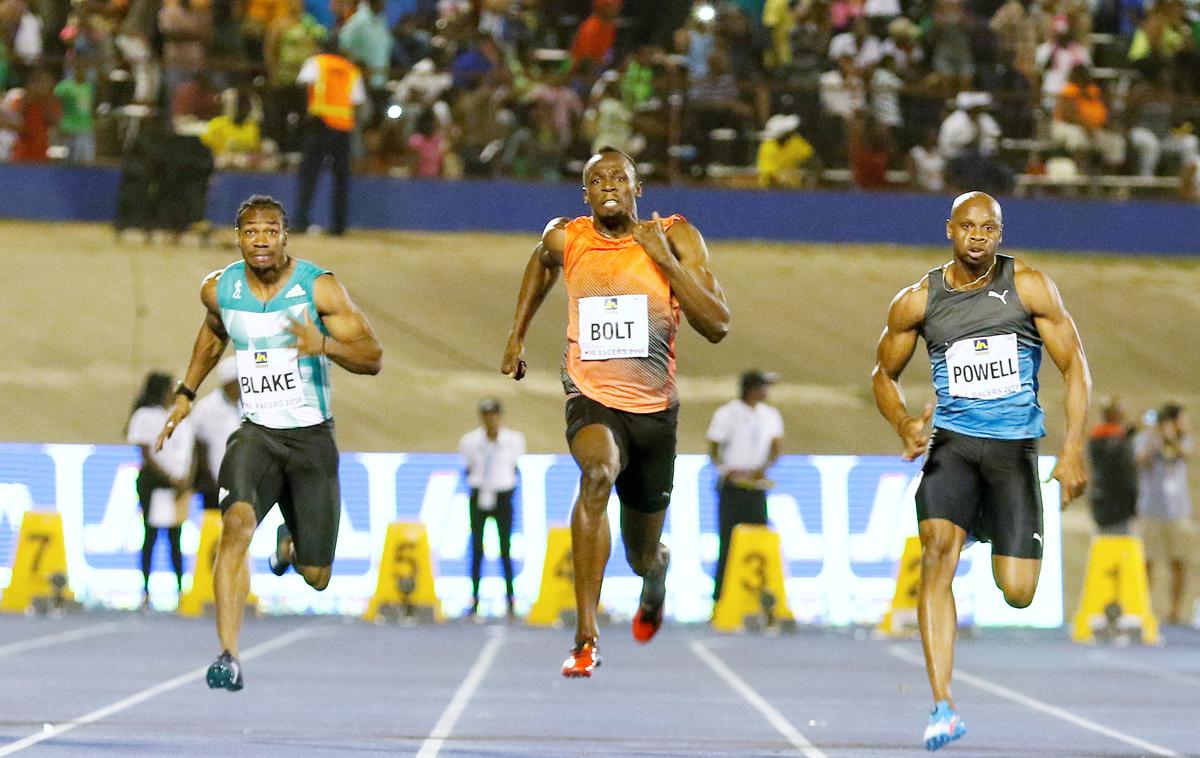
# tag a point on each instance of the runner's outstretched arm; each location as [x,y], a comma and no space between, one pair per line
[682,256]
[351,342]
[540,274]
[1040,295]
[210,343]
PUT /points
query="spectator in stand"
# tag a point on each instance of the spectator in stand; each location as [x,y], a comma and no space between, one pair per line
[813,33]
[195,100]
[1165,39]
[427,146]
[885,89]
[476,62]
[1164,501]
[1152,111]
[75,98]
[535,151]
[1056,58]
[926,165]
[187,29]
[23,34]
[880,13]
[783,153]
[843,12]
[779,20]
[482,133]
[1017,37]
[235,139]
[637,83]
[596,36]
[696,42]
[1080,123]
[871,150]
[950,40]
[413,42]
[715,103]
[859,44]
[1113,490]
[39,113]
[968,139]
[611,120]
[563,102]
[257,18]
[366,40]
[293,37]
[901,45]
[134,41]
[843,92]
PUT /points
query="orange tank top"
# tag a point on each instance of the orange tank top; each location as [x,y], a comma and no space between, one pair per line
[621,321]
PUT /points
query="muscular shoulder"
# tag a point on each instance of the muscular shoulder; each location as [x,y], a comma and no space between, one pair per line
[1036,289]
[907,310]
[208,288]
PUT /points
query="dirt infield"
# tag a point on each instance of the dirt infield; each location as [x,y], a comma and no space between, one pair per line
[86,317]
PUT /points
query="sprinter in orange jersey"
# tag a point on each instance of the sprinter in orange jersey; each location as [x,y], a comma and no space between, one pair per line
[627,280]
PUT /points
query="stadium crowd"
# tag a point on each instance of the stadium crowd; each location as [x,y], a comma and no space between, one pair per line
[938,94]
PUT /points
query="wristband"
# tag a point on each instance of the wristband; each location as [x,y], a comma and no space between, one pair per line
[182,389]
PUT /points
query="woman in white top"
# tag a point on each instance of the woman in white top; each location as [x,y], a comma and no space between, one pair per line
[165,478]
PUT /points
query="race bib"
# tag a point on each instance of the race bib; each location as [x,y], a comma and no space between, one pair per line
[269,379]
[615,326]
[984,368]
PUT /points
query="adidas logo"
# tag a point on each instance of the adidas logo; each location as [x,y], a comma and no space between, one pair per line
[296,291]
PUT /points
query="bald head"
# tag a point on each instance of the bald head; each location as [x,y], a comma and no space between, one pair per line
[970,199]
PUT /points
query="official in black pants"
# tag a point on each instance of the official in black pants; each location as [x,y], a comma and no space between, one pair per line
[490,453]
[335,89]
[744,441]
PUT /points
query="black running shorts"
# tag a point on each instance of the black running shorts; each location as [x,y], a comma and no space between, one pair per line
[647,445]
[988,487]
[296,468]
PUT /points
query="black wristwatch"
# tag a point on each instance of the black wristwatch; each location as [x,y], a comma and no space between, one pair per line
[182,389]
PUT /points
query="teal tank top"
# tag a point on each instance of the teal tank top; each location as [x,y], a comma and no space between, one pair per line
[280,389]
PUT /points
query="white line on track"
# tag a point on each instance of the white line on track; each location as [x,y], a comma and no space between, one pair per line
[140,697]
[82,633]
[1171,676]
[1039,705]
[751,696]
[445,724]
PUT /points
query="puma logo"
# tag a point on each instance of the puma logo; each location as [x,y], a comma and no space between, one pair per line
[1001,296]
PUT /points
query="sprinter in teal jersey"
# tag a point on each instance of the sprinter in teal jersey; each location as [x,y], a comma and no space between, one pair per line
[287,320]
[985,319]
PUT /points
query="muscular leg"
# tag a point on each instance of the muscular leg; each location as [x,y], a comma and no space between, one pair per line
[941,542]
[595,450]
[641,533]
[231,575]
[1017,578]
[316,576]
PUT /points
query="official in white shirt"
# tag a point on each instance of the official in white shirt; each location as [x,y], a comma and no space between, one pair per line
[490,453]
[744,441]
[216,416]
[165,479]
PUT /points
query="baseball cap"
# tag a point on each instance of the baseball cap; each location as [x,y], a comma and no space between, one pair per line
[755,378]
[490,405]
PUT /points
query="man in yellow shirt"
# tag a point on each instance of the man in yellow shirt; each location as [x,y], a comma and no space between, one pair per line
[782,153]
[234,140]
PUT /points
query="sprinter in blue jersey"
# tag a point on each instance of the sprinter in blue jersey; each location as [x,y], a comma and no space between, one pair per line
[287,319]
[985,319]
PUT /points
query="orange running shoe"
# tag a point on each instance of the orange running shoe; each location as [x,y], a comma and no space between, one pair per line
[582,661]
[646,624]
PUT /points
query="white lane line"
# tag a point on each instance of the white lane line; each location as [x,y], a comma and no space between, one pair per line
[748,693]
[1040,706]
[445,724]
[55,730]
[82,633]
[1142,668]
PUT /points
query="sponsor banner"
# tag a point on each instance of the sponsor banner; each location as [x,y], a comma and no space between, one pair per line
[842,522]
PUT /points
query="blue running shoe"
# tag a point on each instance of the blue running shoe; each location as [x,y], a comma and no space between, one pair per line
[278,561]
[945,726]
[225,673]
